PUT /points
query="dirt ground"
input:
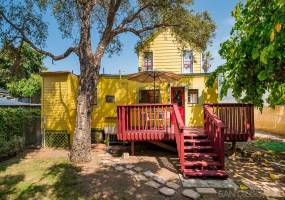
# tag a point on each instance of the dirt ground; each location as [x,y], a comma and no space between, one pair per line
[258,173]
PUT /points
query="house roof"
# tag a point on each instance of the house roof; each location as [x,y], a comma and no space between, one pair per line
[9,102]
[54,73]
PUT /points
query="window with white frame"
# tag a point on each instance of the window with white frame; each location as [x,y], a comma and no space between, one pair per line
[187,61]
[148,61]
[193,96]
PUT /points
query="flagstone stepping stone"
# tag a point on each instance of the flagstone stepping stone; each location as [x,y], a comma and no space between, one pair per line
[125,155]
[148,174]
[105,162]
[140,177]
[130,172]
[206,190]
[138,169]
[116,160]
[191,194]
[119,168]
[129,166]
[159,179]
[153,184]
[172,185]
[167,191]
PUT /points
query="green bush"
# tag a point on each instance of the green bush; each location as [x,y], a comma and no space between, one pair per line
[13,122]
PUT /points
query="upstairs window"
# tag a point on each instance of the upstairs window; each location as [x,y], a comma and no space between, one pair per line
[193,96]
[147,96]
[187,62]
[148,61]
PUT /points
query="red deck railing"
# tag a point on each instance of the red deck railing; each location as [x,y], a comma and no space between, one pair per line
[214,128]
[145,122]
[179,135]
[238,119]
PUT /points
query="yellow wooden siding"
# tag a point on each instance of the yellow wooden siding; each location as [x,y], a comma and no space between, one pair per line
[59,102]
[54,103]
[167,54]
[59,99]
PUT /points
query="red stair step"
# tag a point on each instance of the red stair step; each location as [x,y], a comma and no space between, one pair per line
[196,141]
[195,135]
[209,173]
[198,147]
[201,163]
[200,155]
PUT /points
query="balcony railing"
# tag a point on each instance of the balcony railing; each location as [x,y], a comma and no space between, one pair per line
[238,119]
[145,122]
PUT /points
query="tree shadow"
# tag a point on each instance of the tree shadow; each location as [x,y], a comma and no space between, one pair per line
[8,185]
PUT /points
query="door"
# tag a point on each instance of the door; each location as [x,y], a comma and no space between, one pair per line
[178,97]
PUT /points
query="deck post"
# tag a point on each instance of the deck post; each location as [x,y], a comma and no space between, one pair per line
[133,148]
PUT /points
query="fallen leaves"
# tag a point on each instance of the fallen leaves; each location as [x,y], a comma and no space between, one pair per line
[243,187]
[273,176]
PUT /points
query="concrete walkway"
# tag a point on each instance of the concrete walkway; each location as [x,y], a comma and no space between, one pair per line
[267,135]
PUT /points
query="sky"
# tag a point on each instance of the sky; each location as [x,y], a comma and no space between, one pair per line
[127,61]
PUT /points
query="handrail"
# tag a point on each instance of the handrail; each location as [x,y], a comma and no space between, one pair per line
[214,117]
[179,135]
[214,128]
[178,117]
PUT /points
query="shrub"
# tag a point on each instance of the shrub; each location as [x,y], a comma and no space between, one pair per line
[13,122]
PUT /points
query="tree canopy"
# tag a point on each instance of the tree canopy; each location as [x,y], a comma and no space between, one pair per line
[19,69]
[254,53]
[18,63]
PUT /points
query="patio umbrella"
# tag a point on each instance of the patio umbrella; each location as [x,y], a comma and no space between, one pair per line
[154,76]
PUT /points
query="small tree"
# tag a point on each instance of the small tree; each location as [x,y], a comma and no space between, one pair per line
[22,21]
[254,53]
[206,58]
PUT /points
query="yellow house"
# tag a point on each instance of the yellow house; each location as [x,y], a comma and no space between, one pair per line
[161,52]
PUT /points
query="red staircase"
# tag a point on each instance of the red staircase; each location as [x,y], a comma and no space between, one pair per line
[200,159]
[200,150]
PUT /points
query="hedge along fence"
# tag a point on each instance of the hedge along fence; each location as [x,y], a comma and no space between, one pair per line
[13,122]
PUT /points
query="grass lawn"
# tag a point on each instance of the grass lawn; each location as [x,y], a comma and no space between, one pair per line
[53,178]
[269,145]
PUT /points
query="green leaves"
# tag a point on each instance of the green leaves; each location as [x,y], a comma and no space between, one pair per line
[262,75]
[26,87]
[254,53]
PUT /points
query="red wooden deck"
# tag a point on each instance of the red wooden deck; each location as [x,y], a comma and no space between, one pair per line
[200,151]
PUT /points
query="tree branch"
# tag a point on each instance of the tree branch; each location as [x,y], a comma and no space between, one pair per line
[138,32]
[27,40]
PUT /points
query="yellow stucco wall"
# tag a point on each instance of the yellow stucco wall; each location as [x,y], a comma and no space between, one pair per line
[167,54]
[271,120]
[59,99]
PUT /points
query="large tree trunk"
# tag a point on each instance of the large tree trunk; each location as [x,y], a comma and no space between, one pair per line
[89,76]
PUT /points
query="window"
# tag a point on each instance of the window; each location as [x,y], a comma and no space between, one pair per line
[148,61]
[110,99]
[147,96]
[193,96]
[187,66]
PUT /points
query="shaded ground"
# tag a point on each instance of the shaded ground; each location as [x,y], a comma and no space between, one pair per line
[48,174]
